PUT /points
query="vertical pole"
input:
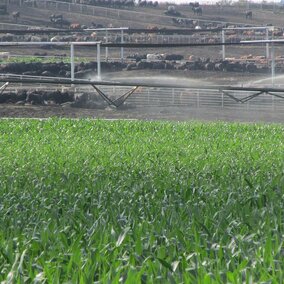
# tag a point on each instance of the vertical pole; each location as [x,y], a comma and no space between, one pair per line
[121,50]
[267,45]
[72,61]
[198,102]
[272,63]
[106,47]
[99,60]
[223,46]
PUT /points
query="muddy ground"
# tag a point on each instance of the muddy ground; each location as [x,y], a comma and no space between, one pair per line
[150,113]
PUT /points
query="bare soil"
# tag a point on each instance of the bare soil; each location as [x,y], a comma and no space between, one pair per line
[169,114]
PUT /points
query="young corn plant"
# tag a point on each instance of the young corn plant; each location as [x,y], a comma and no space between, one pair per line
[91,201]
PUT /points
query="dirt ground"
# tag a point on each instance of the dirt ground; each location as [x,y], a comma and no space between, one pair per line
[169,113]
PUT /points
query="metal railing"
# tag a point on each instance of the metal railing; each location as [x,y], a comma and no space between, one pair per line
[171,97]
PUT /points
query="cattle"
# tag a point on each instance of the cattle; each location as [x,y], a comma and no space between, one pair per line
[16,15]
[75,26]
[183,22]
[197,11]
[93,35]
[58,20]
[54,18]
[194,4]
[34,38]
[196,8]
[7,37]
[155,57]
[171,11]
[4,55]
[150,4]
[96,26]
[249,15]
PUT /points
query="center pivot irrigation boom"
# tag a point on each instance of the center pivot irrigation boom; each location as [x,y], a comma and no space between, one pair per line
[256,91]
[253,92]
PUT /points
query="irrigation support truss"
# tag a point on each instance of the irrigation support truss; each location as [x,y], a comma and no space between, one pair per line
[266,98]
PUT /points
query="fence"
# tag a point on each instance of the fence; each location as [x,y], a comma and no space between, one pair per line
[170,97]
[111,13]
[200,98]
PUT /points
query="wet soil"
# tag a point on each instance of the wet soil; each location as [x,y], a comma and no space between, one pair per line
[149,113]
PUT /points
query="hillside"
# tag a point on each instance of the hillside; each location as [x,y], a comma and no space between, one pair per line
[138,17]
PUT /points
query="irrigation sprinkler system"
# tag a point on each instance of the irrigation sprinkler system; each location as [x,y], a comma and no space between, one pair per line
[233,92]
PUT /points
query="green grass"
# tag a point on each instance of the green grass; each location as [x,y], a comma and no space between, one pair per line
[141,202]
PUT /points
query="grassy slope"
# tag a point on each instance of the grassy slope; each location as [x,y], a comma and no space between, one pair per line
[143,201]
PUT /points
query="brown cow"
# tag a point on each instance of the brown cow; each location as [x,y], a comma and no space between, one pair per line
[75,26]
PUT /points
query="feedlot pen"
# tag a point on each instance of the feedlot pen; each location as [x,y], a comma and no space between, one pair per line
[202,98]
[174,97]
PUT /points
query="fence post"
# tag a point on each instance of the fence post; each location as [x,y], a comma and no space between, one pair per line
[99,60]
[121,50]
[223,46]
[267,45]
[272,64]
[198,102]
[106,46]
[72,63]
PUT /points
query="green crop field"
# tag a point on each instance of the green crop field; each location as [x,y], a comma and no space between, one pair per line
[91,201]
